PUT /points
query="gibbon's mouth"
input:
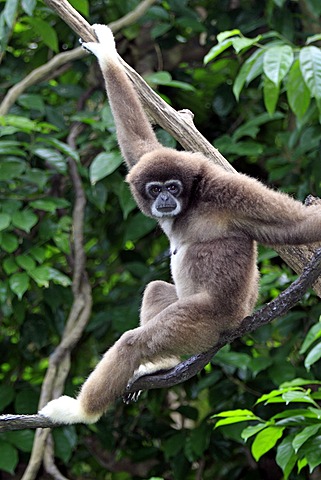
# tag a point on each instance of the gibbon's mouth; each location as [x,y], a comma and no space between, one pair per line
[166,208]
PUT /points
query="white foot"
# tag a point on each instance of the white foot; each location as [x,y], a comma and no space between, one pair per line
[67,410]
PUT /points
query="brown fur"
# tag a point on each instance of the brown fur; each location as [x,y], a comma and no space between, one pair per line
[213,244]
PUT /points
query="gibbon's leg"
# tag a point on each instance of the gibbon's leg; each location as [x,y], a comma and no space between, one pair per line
[187,326]
[158,295]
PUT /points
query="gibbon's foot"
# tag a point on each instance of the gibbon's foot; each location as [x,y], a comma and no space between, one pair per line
[67,410]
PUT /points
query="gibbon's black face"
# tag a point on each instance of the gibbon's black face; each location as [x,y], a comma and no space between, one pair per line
[164,197]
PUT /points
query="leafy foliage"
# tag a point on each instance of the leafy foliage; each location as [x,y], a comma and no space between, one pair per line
[257,97]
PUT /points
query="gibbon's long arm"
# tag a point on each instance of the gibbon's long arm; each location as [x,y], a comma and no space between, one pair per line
[134,132]
[267,216]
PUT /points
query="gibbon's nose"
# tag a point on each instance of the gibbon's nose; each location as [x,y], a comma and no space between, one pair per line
[164,196]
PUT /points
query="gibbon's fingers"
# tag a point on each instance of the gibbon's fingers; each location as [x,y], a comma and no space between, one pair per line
[105,48]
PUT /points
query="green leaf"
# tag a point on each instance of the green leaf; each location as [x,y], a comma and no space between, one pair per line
[63,148]
[59,277]
[271,95]
[103,165]
[242,43]
[277,62]
[65,442]
[82,6]
[23,440]
[252,430]
[53,157]
[138,226]
[297,92]
[304,435]
[8,457]
[6,396]
[217,50]
[10,12]
[313,334]
[290,397]
[32,101]
[313,38]
[45,31]
[9,265]
[310,64]
[5,220]
[24,220]
[311,450]
[8,242]
[227,34]
[250,69]
[28,6]
[26,262]
[11,169]
[45,204]
[19,283]
[285,456]
[265,440]
[313,356]
[41,275]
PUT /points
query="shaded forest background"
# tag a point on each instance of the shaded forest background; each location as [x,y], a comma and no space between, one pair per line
[75,254]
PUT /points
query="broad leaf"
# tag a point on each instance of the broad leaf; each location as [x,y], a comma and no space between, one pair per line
[304,435]
[286,457]
[19,283]
[265,440]
[297,92]
[277,62]
[103,165]
[310,64]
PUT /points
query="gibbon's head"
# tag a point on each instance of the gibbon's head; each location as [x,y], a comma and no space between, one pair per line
[164,180]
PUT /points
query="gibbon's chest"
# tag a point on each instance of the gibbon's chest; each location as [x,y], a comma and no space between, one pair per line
[184,234]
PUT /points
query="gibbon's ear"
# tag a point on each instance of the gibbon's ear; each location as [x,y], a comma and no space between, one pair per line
[134,132]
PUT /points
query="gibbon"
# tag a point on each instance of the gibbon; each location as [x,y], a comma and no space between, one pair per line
[212,219]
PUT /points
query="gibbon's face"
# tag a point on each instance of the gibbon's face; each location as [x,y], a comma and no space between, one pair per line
[164,198]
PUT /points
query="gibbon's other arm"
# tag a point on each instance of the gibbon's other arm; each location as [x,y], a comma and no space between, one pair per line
[134,132]
[268,216]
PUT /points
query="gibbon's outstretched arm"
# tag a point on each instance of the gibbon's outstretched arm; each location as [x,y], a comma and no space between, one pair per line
[134,132]
[268,216]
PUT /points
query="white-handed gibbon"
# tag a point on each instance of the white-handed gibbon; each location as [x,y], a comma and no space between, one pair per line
[213,220]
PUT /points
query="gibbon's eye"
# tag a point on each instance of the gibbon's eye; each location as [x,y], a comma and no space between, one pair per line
[173,188]
[154,190]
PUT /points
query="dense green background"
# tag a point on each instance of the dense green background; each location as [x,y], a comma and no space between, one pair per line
[257,97]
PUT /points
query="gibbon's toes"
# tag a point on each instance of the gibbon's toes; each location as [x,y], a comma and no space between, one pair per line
[67,410]
[131,397]
[91,47]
